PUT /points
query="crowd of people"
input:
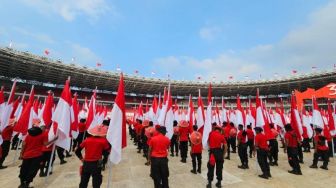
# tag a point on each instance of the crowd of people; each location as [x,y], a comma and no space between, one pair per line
[151,141]
[223,140]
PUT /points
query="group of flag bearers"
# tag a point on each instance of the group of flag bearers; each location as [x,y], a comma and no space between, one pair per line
[40,138]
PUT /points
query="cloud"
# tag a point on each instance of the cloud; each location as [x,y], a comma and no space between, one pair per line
[37,36]
[83,55]
[71,9]
[209,33]
[308,45]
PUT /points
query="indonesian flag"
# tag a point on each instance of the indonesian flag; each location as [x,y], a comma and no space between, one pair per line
[2,100]
[153,110]
[331,121]
[86,106]
[48,110]
[260,117]
[140,112]
[176,111]
[169,115]
[240,115]
[200,117]
[26,118]
[317,117]
[208,119]
[157,114]
[19,109]
[306,123]
[74,124]
[90,123]
[15,106]
[116,133]
[295,118]
[191,114]
[63,117]
[250,120]
[223,115]
[216,117]
[163,110]
[7,110]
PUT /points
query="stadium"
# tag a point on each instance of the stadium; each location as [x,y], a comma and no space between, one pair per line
[169,93]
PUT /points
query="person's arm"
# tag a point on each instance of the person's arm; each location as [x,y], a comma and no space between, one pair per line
[149,154]
[225,149]
[286,144]
[46,143]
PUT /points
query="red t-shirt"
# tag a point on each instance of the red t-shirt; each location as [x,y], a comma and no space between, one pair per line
[291,139]
[138,128]
[33,146]
[94,147]
[81,127]
[184,132]
[196,148]
[7,133]
[319,146]
[46,148]
[159,145]
[305,133]
[233,132]
[216,139]
[227,131]
[261,141]
[241,138]
[250,134]
[274,134]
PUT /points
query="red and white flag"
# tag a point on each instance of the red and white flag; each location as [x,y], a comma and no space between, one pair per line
[223,114]
[208,120]
[240,114]
[295,118]
[19,109]
[200,117]
[169,115]
[74,124]
[7,110]
[191,114]
[48,110]
[62,118]
[116,133]
[260,117]
[90,121]
[317,120]
[331,120]
[26,118]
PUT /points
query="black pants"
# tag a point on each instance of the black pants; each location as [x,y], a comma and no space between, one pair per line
[300,153]
[228,149]
[160,171]
[250,145]
[196,158]
[45,161]
[29,168]
[174,145]
[232,143]
[139,143]
[184,149]
[274,150]
[242,152]
[262,161]
[80,138]
[60,153]
[218,154]
[15,141]
[145,149]
[5,150]
[324,154]
[330,149]
[306,145]
[91,169]
[293,160]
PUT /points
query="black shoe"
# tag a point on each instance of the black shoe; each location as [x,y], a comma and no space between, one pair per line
[241,166]
[292,171]
[199,171]
[176,154]
[298,172]
[67,156]
[263,176]
[63,162]
[275,164]
[218,184]
[234,152]
[3,167]
[147,163]
[313,166]
[193,171]
[269,175]
[301,161]
[228,158]
[324,167]
[172,155]
[250,156]
[139,151]
[208,185]
[246,167]
[271,163]
[42,174]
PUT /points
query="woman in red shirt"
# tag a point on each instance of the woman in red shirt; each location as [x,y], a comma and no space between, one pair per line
[196,150]
[31,154]
[321,149]
[291,145]
[184,136]
[262,150]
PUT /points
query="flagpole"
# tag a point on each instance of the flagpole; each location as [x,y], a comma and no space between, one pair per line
[50,162]
[109,184]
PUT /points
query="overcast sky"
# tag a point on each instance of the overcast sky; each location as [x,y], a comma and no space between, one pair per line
[186,39]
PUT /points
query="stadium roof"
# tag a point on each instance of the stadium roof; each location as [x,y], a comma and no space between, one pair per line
[34,69]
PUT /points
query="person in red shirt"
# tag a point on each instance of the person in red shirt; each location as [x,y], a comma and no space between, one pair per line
[174,141]
[273,146]
[226,132]
[305,142]
[196,150]
[217,149]
[81,131]
[321,149]
[250,139]
[6,134]
[138,129]
[261,147]
[242,147]
[232,137]
[95,146]
[183,138]
[291,145]
[158,149]
[31,154]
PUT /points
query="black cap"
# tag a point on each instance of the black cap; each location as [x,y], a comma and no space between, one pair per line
[258,129]
[318,129]
[162,130]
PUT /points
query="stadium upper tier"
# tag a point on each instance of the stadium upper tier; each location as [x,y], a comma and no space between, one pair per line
[32,69]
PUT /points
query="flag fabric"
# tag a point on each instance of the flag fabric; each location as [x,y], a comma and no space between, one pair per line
[240,114]
[317,120]
[63,117]
[74,124]
[224,116]
[331,120]
[191,114]
[48,110]
[169,115]
[15,106]
[19,109]
[8,108]
[98,64]
[306,123]
[295,118]
[90,121]
[46,52]
[26,118]
[208,120]
[260,117]
[200,117]
[116,134]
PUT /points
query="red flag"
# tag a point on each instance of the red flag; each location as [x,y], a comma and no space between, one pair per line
[116,133]
[98,64]
[92,111]
[48,109]
[155,105]
[295,118]
[294,71]
[15,106]
[331,121]
[7,109]
[46,52]
[75,105]
[25,120]
[191,114]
